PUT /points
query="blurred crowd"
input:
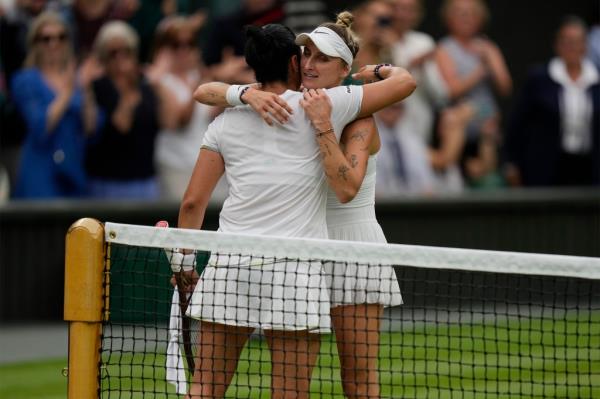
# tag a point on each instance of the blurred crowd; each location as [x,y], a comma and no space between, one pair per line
[96,96]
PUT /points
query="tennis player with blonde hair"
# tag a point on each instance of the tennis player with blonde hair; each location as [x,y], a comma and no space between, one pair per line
[358,293]
[277,187]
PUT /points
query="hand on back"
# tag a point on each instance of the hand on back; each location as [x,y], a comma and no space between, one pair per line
[268,105]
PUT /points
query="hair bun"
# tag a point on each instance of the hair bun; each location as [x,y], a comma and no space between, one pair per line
[345,18]
[255,33]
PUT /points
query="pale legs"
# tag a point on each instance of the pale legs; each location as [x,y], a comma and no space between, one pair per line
[292,357]
[357,335]
[219,349]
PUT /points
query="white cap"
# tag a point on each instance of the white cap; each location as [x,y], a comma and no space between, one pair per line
[328,42]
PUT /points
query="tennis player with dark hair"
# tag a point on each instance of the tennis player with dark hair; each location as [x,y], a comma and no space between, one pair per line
[358,293]
[277,187]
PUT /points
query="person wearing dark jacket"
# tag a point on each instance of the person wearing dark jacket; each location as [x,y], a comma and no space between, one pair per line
[554,132]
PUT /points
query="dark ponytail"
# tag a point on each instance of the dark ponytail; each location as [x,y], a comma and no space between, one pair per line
[269,50]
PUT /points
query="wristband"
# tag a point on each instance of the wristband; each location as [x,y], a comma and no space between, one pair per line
[377,68]
[234,94]
[180,262]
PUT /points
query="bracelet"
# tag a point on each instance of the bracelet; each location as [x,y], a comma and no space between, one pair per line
[323,133]
[244,90]
[377,68]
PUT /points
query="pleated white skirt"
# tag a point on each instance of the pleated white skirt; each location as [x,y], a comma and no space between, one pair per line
[262,293]
[350,284]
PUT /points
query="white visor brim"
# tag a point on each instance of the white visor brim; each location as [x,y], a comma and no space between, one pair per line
[328,42]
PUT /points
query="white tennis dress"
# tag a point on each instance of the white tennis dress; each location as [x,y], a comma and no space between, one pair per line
[276,187]
[355,221]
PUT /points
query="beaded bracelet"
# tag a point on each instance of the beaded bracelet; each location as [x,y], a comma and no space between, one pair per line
[377,68]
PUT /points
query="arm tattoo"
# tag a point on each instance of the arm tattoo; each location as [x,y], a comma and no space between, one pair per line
[342,172]
[325,151]
[360,136]
[353,160]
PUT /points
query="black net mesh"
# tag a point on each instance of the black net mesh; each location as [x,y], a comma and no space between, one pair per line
[458,334]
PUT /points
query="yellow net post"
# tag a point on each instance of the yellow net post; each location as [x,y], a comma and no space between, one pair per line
[84,271]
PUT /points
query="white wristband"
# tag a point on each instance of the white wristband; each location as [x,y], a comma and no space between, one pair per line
[233,95]
[181,262]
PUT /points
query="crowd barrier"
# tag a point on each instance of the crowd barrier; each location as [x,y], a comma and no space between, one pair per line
[32,234]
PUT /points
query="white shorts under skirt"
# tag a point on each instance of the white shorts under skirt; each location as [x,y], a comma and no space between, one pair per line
[259,293]
[351,284]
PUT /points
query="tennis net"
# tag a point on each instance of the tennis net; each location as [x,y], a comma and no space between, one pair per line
[473,324]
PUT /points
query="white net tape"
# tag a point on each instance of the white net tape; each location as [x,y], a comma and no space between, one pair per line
[356,252]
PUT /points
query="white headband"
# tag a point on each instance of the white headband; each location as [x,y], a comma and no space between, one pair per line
[328,42]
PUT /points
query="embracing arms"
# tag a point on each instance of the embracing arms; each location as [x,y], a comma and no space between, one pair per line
[267,105]
[344,164]
[396,84]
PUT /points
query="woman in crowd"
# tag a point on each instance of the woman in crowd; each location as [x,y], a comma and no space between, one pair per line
[357,302]
[473,68]
[60,112]
[177,66]
[121,163]
[414,51]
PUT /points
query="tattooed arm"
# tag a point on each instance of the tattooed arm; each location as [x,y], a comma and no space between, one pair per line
[344,164]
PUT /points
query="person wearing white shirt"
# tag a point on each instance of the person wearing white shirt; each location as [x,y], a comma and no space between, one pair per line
[177,68]
[274,172]
[357,293]
[414,51]
[403,167]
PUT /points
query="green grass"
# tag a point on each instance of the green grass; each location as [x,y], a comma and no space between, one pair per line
[527,358]
[33,380]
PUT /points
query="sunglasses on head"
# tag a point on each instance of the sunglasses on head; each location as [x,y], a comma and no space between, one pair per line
[47,39]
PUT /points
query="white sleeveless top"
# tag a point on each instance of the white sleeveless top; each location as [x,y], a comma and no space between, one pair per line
[365,196]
